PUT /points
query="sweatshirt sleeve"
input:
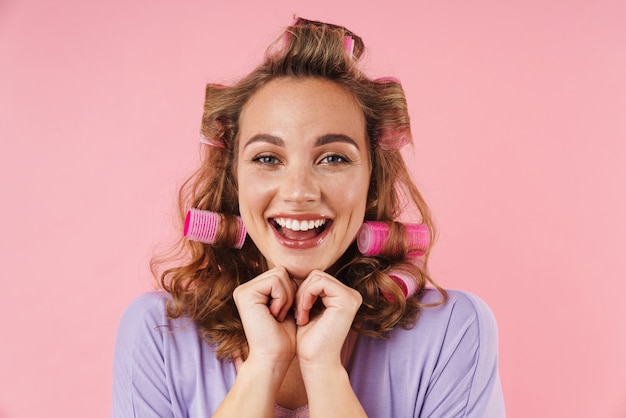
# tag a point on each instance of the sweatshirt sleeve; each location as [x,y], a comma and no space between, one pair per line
[465,382]
[140,386]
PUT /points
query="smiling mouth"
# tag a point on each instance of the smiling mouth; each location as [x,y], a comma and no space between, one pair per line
[299,230]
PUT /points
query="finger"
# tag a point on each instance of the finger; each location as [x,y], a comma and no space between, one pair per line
[291,305]
[281,301]
[332,293]
[311,289]
[304,307]
[273,290]
[282,294]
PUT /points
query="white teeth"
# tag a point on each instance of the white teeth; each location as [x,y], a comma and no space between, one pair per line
[297,225]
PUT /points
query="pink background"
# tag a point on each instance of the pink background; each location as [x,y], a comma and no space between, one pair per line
[519,114]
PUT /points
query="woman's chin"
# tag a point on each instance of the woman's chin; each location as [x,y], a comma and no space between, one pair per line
[300,272]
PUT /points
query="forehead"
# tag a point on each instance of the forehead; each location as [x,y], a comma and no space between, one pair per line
[310,104]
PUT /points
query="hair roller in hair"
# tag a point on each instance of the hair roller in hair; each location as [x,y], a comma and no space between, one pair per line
[202,226]
[372,235]
[406,283]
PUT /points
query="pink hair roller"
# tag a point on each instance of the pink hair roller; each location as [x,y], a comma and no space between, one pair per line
[348,44]
[407,284]
[202,226]
[388,79]
[391,139]
[372,235]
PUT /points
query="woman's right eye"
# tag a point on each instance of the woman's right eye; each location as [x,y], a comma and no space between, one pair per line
[265,159]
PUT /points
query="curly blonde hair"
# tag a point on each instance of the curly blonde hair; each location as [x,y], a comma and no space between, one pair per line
[202,284]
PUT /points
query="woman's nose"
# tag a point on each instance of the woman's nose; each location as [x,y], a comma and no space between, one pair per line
[299,186]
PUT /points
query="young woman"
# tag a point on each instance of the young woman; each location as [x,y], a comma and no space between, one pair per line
[310,298]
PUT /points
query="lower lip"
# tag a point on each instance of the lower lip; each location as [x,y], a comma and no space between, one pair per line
[304,244]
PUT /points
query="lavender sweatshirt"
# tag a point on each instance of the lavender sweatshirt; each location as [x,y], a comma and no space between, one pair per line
[446,366]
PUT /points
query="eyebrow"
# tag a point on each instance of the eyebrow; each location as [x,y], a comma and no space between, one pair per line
[321,141]
[330,138]
[272,139]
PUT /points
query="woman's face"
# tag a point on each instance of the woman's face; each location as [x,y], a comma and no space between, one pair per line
[303,172]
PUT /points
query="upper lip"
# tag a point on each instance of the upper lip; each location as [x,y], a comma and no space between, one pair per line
[300,216]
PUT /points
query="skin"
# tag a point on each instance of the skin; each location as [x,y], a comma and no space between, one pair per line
[303,155]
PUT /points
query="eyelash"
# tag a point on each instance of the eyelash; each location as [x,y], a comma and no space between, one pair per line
[344,160]
[260,159]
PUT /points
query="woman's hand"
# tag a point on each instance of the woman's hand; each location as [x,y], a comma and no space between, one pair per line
[264,305]
[325,310]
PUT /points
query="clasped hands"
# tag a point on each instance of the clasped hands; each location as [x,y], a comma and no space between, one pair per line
[280,321]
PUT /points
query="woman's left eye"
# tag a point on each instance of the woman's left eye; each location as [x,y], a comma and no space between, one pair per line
[334,159]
